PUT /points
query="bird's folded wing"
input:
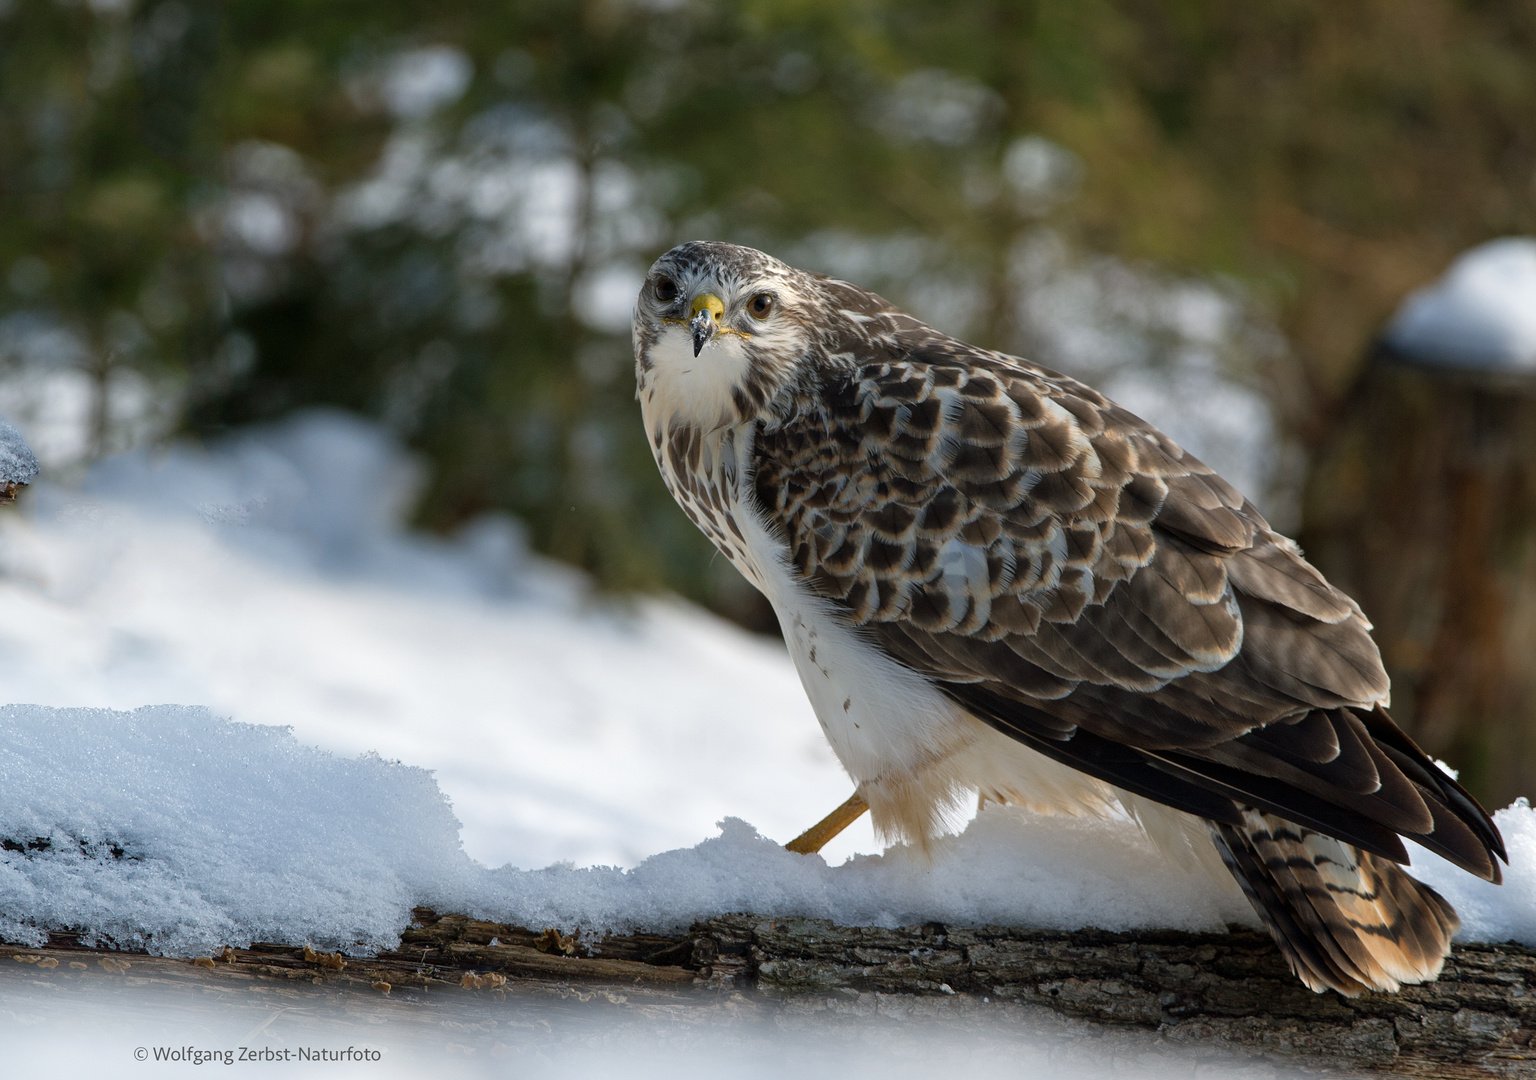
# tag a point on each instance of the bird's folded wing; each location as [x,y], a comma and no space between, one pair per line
[1071,576]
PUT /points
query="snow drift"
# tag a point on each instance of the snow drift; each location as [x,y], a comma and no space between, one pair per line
[171,830]
[271,579]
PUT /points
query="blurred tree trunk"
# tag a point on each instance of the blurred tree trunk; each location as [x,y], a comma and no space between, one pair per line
[1421,504]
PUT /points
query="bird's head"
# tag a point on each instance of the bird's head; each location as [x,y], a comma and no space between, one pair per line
[720,329]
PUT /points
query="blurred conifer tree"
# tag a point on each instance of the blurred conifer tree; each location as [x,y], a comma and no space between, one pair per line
[431,212]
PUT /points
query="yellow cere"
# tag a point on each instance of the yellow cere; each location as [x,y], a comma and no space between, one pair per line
[707,302]
[715,306]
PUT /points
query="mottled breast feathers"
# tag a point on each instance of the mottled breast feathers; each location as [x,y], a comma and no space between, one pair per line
[1072,576]
[978,499]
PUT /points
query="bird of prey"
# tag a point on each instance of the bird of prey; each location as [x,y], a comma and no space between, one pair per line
[997,583]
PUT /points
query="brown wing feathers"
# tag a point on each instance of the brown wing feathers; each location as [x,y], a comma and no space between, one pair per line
[1072,577]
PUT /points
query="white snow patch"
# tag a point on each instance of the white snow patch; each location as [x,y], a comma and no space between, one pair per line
[419,82]
[169,829]
[1010,867]
[937,106]
[1491,912]
[95,1025]
[18,465]
[270,579]
[1481,315]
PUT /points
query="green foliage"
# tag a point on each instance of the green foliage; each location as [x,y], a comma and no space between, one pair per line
[1329,156]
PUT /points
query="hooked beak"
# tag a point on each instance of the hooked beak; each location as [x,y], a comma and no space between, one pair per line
[704,324]
[703,327]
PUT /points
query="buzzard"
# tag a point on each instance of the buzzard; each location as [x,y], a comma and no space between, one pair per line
[997,583]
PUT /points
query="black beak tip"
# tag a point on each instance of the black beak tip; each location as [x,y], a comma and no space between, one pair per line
[702,328]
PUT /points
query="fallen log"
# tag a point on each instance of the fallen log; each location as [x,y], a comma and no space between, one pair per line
[1226,992]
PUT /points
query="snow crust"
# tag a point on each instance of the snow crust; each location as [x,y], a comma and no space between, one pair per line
[1009,867]
[1480,315]
[169,829]
[1490,912]
[18,465]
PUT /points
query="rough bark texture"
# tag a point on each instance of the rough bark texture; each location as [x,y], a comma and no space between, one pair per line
[1422,506]
[1210,992]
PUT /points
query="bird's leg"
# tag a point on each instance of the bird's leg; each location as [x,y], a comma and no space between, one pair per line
[820,834]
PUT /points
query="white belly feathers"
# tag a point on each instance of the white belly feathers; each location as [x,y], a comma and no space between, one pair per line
[916,756]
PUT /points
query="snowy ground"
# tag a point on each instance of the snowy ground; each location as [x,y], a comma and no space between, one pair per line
[100,1027]
[431,685]
[271,582]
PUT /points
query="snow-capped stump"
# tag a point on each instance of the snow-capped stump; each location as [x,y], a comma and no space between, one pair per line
[1479,317]
[1422,506]
[18,465]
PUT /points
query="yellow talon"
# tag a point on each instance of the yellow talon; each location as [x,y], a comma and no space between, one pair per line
[820,834]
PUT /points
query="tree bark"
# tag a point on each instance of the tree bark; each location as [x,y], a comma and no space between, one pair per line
[1422,506]
[1196,992]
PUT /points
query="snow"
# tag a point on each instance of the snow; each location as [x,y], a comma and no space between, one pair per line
[1481,315]
[227,832]
[18,465]
[49,393]
[421,81]
[270,580]
[368,691]
[1490,912]
[169,829]
[1009,868]
[91,1027]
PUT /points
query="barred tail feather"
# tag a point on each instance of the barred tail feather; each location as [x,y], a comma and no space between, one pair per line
[1345,919]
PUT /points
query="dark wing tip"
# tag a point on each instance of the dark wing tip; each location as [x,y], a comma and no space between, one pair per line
[1459,810]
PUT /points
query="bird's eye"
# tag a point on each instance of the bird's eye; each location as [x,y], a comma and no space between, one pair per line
[760,306]
[666,290]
